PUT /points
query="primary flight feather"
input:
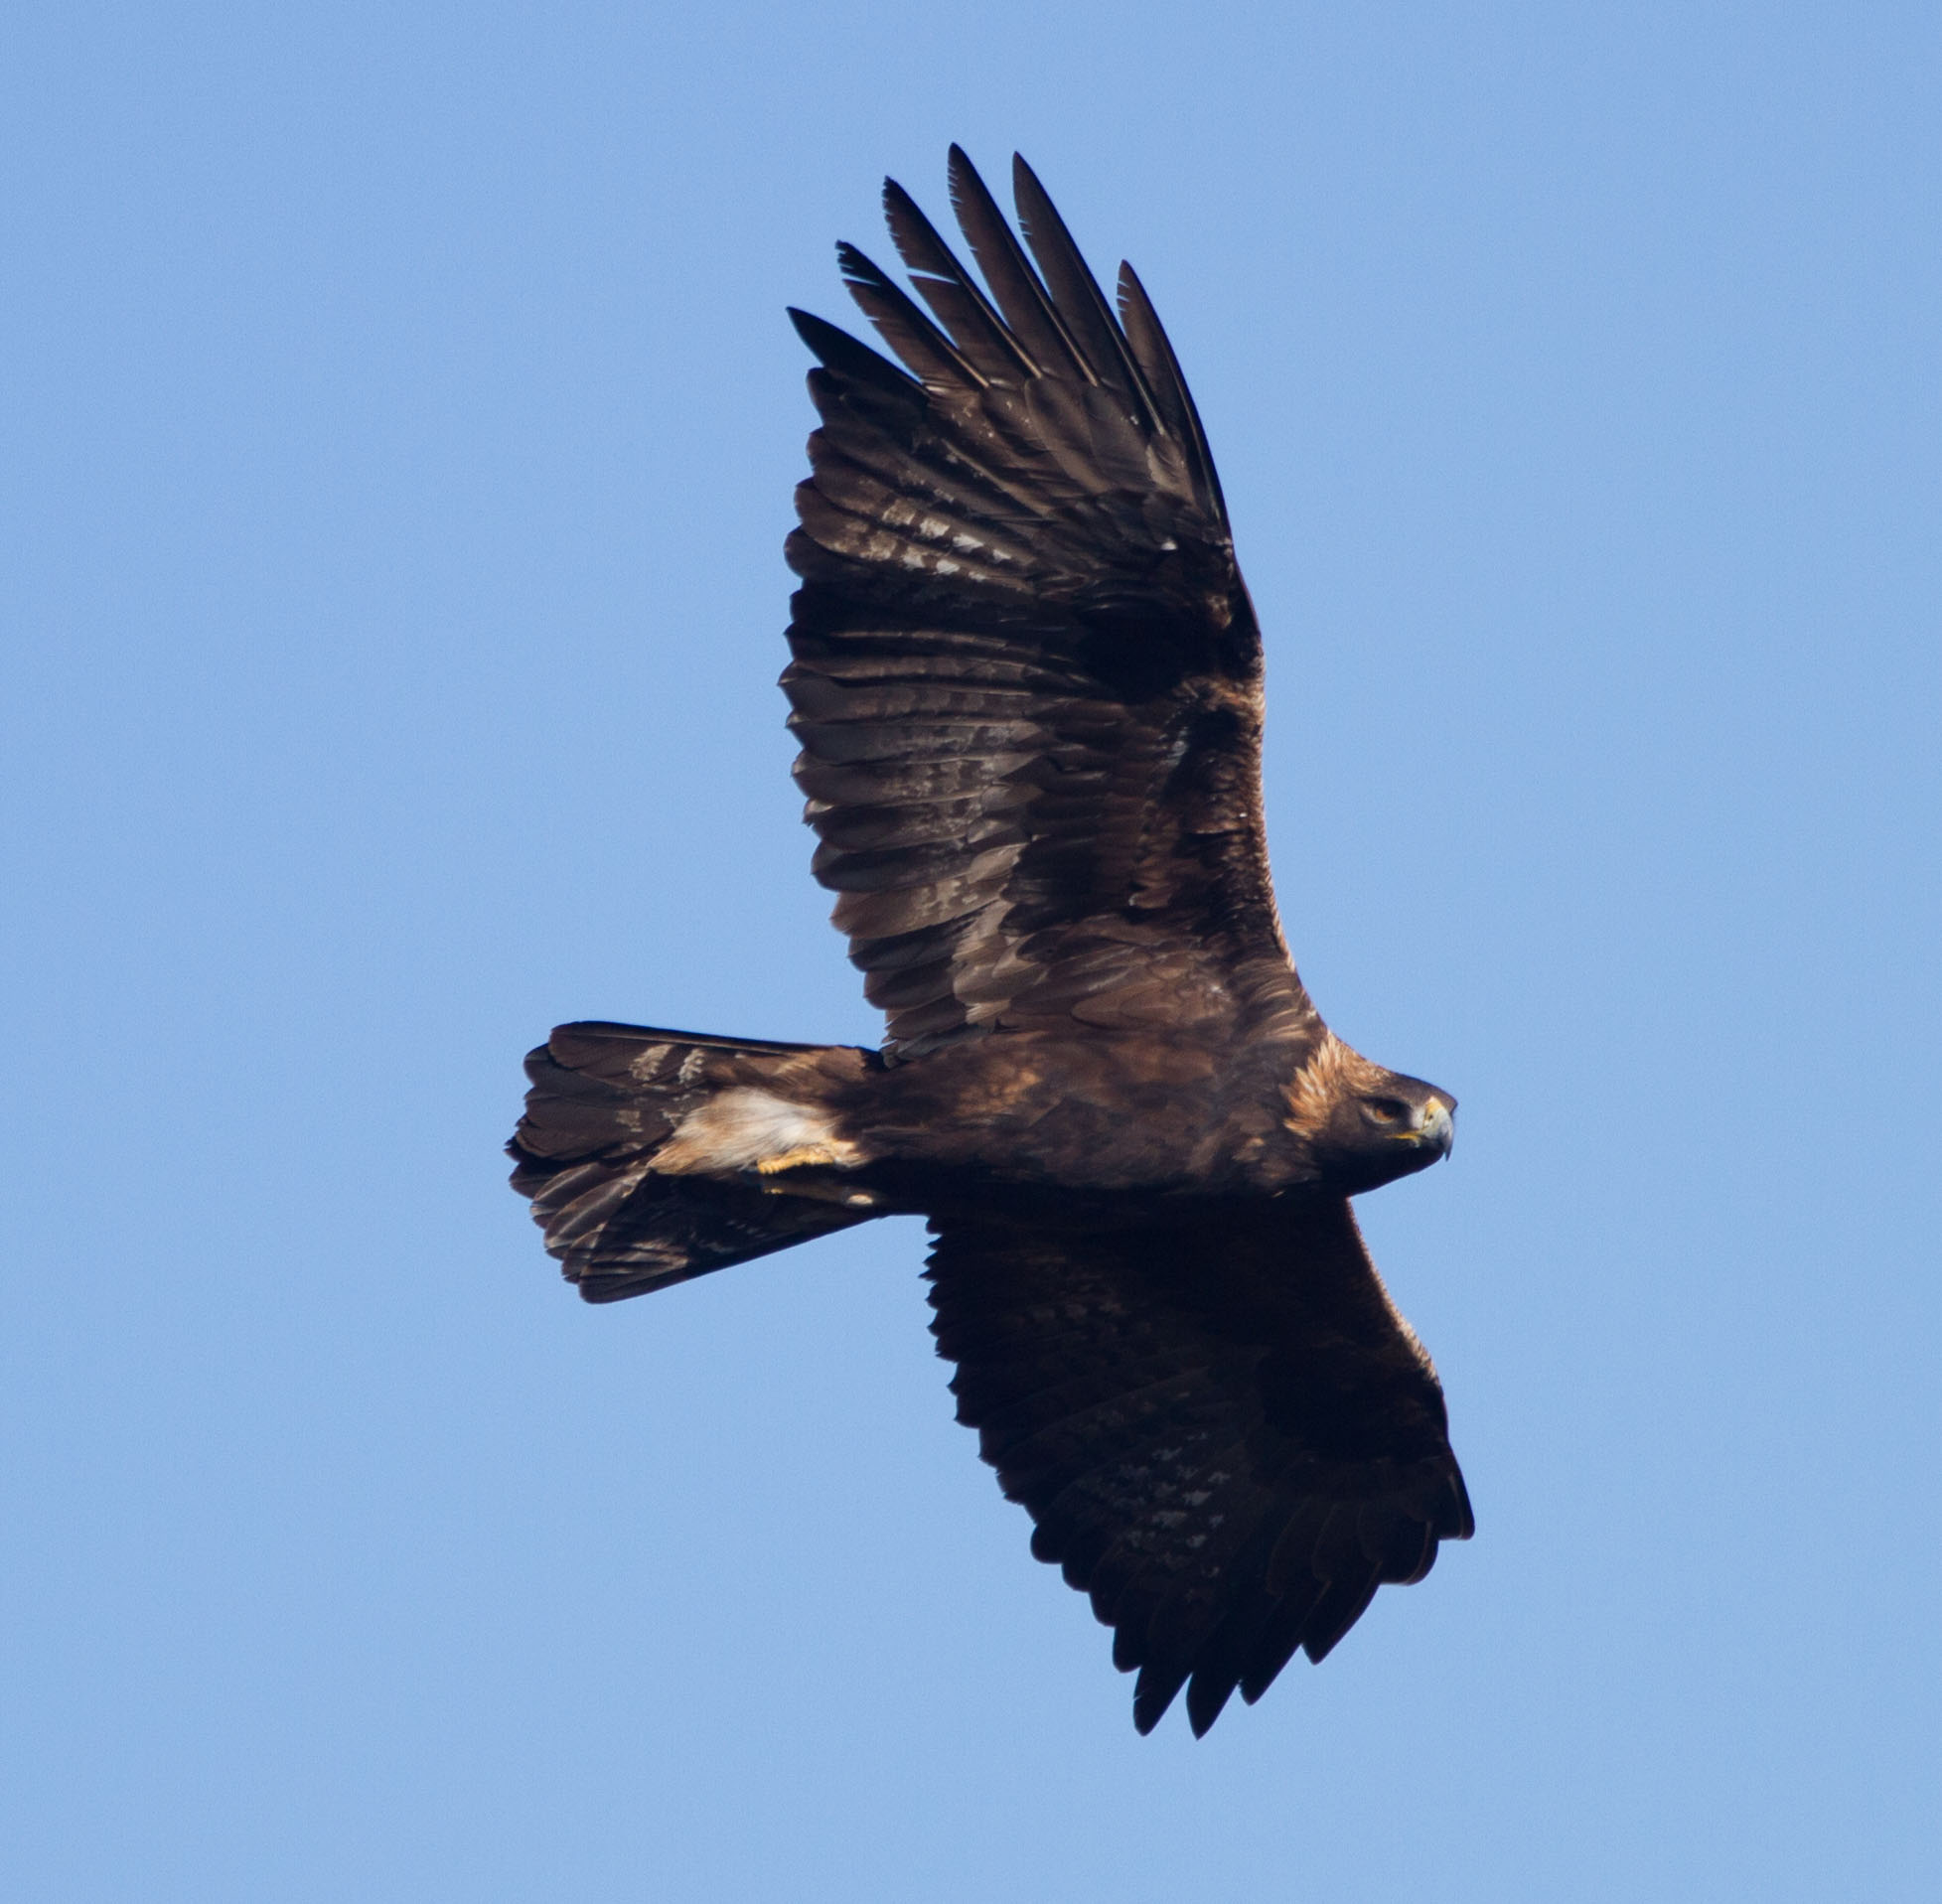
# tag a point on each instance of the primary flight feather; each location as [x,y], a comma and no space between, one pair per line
[1027,686]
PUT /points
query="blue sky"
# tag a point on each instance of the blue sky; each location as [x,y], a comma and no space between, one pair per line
[402,423]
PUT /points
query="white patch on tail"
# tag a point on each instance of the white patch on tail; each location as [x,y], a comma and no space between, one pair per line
[748,1129]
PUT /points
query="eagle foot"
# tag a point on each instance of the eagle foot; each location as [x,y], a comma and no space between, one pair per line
[794,1159]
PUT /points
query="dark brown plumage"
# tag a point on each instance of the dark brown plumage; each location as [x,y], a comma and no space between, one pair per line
[1027,685]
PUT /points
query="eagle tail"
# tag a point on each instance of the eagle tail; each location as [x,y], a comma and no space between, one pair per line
[653,1157]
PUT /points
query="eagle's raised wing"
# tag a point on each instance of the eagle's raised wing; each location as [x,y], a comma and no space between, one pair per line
[1222,1427]
[1027,678]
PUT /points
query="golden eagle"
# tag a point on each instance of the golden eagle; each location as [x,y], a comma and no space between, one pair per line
[1027,685]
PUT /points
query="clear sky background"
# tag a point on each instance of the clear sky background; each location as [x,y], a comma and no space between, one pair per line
[401,423]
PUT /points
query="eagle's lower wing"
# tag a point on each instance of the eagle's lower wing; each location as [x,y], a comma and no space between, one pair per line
[1027,676]
[1223,1429]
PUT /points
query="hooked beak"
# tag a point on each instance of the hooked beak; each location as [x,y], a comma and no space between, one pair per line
[1437,1131]
[1435,1127]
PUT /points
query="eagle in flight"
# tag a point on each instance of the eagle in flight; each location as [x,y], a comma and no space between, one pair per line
[1027,686]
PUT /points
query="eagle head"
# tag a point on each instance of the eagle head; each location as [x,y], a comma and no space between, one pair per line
[1362,1125]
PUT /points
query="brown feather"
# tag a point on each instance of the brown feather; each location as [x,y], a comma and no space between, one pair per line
[1218,1423]
[1026,594]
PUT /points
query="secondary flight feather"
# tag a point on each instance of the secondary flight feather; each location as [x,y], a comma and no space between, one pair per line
[1026,682]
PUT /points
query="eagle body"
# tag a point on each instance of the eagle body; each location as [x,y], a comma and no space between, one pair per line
[1120,1112]
[1026,679]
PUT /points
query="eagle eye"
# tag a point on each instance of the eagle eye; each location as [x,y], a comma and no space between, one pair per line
[1391,1111]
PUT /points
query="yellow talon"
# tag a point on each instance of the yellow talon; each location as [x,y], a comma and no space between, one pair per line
[791,1159]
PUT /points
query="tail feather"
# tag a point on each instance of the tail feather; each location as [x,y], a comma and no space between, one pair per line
[655,1156]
